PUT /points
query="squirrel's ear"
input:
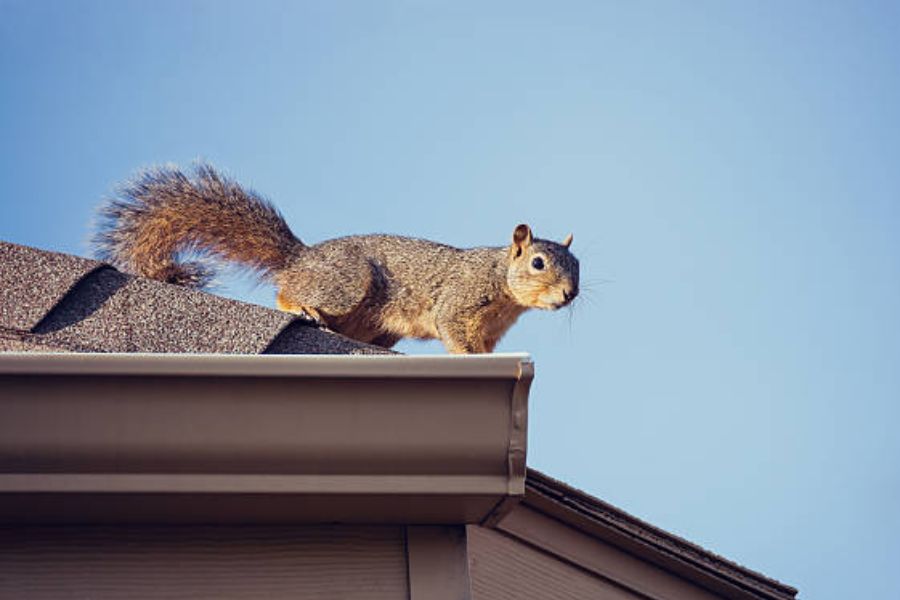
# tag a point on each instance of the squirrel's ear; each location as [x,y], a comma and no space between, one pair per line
[522,236]
[568,241]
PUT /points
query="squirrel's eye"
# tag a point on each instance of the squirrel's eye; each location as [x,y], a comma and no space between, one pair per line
[537,262]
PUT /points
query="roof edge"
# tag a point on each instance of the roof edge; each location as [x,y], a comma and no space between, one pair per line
[581,510]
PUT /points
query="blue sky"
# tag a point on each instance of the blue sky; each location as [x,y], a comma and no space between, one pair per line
[729,171]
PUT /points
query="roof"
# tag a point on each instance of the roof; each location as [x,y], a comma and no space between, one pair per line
[604,521]
[56,302]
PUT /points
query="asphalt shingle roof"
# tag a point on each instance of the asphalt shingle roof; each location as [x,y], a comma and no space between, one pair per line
[58,302]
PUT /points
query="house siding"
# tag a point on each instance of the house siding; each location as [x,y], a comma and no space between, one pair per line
[123,563]
[532,528]
[502,568]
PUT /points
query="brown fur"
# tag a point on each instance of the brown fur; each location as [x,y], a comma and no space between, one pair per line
[373,288]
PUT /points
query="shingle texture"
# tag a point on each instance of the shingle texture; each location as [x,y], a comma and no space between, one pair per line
[33,282]
[57,302]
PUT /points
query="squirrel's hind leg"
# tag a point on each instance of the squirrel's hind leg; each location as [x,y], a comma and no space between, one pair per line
[332,286]
[287,305]
[340,290]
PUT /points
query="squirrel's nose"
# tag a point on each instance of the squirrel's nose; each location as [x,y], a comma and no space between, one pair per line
[569,294]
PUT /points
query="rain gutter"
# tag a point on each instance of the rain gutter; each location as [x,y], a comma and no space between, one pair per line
[166,438]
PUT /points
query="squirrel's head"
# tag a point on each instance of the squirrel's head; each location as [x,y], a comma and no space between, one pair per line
[542,274]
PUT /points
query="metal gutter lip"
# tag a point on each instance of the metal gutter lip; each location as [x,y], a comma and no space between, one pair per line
[489,366]
[192,483]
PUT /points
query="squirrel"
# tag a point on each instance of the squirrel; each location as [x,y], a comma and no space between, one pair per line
[376,289]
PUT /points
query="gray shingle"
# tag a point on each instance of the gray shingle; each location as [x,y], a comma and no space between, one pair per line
[99,309]
[300,335]
[114,312]
[14,342]
[32,282]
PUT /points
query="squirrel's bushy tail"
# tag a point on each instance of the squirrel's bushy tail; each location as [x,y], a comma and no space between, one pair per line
[163,212]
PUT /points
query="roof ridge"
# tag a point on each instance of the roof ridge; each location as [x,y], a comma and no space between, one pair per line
[79,304]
